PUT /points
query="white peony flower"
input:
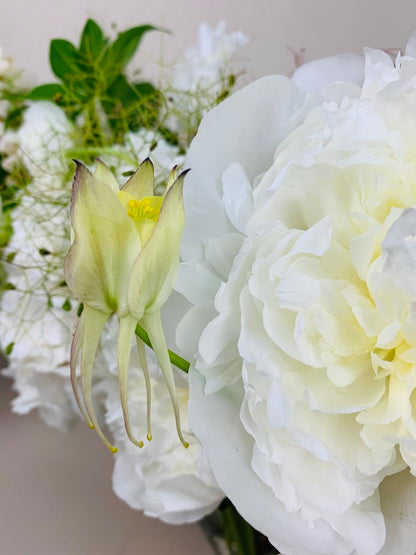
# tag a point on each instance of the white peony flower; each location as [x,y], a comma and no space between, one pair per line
[300,262]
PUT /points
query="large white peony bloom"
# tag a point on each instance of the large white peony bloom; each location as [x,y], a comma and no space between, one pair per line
[300,260]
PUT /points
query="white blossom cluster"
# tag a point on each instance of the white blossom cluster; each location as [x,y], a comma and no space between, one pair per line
[204,76]
[37,315]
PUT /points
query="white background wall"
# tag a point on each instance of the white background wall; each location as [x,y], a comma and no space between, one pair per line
[55,496]
[323,27]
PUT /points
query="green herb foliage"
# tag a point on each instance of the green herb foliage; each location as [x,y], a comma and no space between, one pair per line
[94,88]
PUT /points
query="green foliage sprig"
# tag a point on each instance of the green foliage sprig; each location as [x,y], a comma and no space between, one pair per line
[94,89]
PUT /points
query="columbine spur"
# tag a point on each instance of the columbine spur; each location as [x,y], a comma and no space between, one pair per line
[123,259]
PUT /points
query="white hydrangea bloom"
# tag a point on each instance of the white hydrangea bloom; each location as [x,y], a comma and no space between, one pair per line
[299,260]
[32,318]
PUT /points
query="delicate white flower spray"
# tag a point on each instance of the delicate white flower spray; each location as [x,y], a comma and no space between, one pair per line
[38,313]
[204,77]
[299,260]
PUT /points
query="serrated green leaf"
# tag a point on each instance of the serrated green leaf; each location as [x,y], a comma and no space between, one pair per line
[120,52]
[64,58]
[46,92]
[92,40]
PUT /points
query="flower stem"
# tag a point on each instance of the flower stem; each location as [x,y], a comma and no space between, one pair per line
[175,359]
[238,533]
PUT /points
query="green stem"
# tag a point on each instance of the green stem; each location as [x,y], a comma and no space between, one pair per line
[238,533]
[175,359]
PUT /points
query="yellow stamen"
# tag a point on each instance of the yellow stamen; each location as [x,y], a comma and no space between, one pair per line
[147,208]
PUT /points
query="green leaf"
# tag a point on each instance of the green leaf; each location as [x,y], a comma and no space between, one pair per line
[92,40]
[46,92]
[14,118]
[9,348]
[9,286]
[6,230]
[64,59]
[138,104]
[121,51]
[67,305]
[120,91]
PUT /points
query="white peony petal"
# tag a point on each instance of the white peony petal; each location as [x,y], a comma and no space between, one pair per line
[315,76]
[229,456]
[271,103]
[398,503]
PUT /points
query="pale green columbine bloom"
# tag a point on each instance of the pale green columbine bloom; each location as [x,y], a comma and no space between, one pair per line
[123,259]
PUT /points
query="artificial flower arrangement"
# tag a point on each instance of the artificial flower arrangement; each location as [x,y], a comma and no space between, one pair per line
[292,307]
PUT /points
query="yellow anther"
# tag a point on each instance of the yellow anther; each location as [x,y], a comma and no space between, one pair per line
[132,209]
[147,208]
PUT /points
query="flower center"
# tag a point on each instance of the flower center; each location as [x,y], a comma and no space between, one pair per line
[397,360]
[147,208]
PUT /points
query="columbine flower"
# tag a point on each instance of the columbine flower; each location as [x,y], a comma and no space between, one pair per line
[123,260]
[299,260]
[164,480]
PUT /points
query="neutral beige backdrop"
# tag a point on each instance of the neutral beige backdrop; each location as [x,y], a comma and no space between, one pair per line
[323,27]
[55,492]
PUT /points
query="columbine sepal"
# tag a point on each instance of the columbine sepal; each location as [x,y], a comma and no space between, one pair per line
[124,260]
